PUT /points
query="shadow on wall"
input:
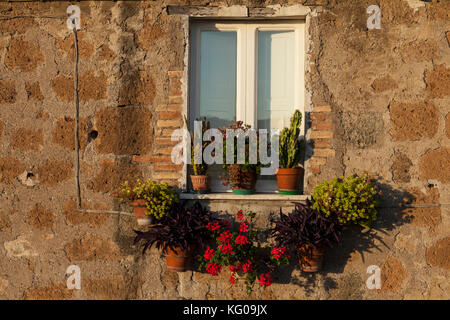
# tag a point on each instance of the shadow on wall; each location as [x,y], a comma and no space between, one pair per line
[391,215]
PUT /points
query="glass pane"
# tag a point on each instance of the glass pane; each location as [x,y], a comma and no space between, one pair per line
[275,78]
[218,77]
[275,85]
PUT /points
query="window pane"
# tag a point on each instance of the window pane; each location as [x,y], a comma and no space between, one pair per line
[275,85]
[218,77]
[275,78]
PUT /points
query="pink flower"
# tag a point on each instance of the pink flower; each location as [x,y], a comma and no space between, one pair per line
[265,279]
[225,236]
[247,267]
[213,269]
[209,253]
[241,240]
[244,226]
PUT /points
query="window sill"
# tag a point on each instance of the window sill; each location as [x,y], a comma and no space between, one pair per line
[256,196]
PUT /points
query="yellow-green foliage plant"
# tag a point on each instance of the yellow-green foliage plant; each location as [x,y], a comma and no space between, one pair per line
[353,200]
[159,197]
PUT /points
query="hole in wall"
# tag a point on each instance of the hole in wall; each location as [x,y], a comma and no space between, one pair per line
[92,135]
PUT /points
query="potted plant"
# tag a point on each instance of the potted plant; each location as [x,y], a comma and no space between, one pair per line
[353,200]
[178,234]
[241,177]
[236,246]
[289,174]
[308,232]
[201,181]
[149,199]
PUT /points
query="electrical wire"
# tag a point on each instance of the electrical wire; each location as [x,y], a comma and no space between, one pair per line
[77,137]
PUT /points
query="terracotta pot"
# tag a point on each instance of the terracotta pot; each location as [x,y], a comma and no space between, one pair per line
[289,179]
[245,185]
[139,211]
[179,260]
[311,261]
[201,183]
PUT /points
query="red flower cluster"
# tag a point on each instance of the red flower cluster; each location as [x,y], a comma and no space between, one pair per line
[214,269]
[225,236]
[247,267]
[241,240]
[226,223]
[278,253]
[226,249]
[240,215]
[208,253]
[213,226]
[265,279]
[235,268]
[244,226]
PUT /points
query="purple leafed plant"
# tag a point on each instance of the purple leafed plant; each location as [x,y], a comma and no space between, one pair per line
[183,227]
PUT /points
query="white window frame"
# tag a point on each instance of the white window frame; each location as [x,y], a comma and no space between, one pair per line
[246,65]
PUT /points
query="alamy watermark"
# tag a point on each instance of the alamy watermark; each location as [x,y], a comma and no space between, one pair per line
[256,140]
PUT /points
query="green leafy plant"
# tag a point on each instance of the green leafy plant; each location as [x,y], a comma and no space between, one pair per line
[159,197]
[290,148]
[200,169]
[352,200]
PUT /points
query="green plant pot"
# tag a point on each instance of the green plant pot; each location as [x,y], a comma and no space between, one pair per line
[243,191]
[289,192]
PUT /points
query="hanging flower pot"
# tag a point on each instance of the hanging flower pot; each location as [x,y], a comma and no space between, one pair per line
[139,208]
[311,259]
[201,183]
[288,180]
[179,260]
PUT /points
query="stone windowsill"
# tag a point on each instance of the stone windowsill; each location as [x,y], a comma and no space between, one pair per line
[252,197]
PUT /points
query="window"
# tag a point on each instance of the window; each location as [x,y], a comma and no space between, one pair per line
[249,71]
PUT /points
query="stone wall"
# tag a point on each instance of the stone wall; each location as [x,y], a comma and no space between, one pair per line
[378,102]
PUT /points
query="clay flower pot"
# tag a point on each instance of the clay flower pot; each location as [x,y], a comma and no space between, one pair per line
[288,180]
[246,182]
[179,260]
[201,183]
[311,259]
[139,211]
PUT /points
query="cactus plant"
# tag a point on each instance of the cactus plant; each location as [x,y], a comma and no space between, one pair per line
[290,149]
[198,168]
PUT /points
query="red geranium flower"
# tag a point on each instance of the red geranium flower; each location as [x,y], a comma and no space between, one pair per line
[226,223]
[240,215]
[213,226]
[225,236]
[247,267]
[213,269]
[240,239]
[226,249]
[265,279]
[277,253]
[208,253]
[244,226]
[235,268]
[232,280]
